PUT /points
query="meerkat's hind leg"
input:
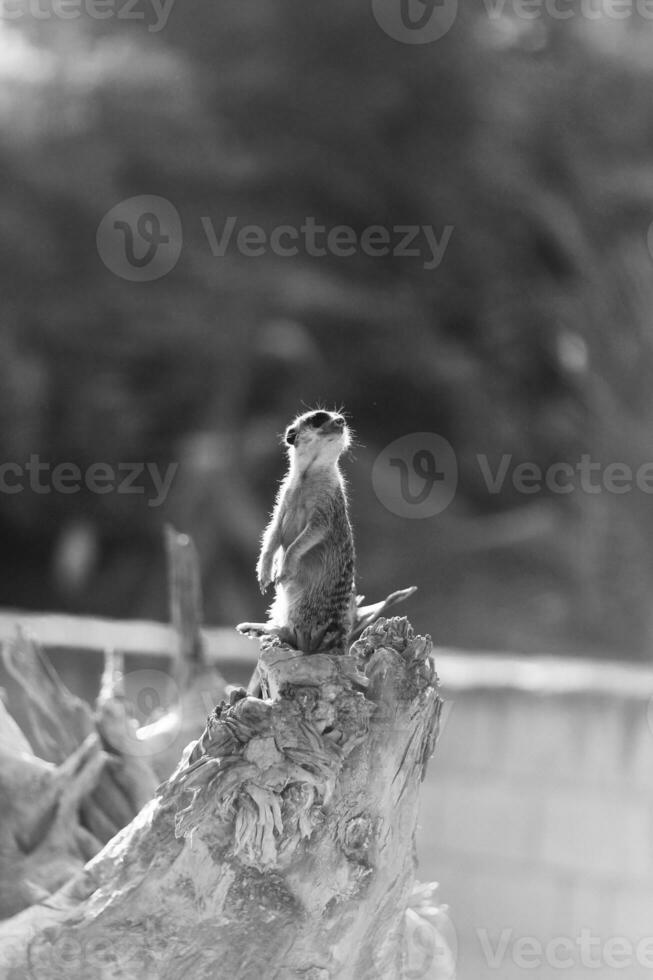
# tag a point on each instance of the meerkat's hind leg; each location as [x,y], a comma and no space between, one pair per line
[309,640]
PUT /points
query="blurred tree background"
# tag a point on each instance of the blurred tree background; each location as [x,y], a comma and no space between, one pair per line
[534,337]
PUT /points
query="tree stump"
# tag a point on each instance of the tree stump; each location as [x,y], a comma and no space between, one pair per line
[283,846]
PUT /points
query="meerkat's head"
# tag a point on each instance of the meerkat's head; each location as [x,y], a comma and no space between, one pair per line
[318,436]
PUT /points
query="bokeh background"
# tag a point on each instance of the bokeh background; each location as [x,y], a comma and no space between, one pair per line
[532,137]
[530,134]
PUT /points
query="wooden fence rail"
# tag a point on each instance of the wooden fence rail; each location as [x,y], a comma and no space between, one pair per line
[187,639]
[458,670]
[145,637]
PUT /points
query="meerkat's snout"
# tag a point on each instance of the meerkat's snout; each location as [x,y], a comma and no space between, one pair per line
[342,431]
[334,426]
[317,425]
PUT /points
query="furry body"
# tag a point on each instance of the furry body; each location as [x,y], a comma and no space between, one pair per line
[308,546]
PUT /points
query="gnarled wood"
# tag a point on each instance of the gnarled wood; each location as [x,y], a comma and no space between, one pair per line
[69,779]
[281,847]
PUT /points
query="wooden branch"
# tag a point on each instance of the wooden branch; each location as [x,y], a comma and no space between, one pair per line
[199,685]
[69,778]
[281,847]
[42,842]
[185,595]
[53,720]
[130,781]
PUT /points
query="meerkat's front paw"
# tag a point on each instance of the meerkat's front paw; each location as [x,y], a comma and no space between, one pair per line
[264,575]
[286,569]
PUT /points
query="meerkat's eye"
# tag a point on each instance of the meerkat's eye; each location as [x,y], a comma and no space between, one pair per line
[317,419]
[339,421]
[291,435]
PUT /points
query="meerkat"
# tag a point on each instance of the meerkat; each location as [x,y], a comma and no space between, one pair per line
[307,550]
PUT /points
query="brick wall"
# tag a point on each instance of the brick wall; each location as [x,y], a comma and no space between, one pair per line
[537,817]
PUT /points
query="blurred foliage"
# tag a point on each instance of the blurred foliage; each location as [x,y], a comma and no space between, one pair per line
[533,139]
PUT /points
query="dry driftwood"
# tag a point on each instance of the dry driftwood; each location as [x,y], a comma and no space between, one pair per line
[281,847]
[71,777]
[197,685]
[185,594]
[69,780]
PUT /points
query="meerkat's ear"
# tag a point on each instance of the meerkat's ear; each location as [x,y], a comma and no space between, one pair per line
[291,435]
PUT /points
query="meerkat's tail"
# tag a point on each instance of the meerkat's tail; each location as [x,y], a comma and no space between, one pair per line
[364,615]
